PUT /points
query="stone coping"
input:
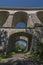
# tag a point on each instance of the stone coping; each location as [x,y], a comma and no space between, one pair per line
[21,8]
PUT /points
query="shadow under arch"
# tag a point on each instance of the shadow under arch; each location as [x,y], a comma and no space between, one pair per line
[3,17]
[19,17]
[15,37]
[40,15]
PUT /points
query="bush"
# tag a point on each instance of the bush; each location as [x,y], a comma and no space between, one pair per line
[9,55]
[38,53]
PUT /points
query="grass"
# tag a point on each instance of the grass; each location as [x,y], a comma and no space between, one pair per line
[9,55]
[1,56]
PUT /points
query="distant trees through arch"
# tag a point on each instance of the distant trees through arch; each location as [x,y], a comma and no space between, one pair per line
[20,46]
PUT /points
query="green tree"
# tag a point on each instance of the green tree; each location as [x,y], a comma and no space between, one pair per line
[16,46]
[22,47]
[19,47]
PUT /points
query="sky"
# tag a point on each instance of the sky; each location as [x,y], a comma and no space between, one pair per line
[22,42]
[21,3]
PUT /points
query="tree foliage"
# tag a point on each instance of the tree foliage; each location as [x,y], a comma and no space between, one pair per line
[19,47]
[38,53]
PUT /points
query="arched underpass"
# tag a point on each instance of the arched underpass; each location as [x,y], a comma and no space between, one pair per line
[19,36]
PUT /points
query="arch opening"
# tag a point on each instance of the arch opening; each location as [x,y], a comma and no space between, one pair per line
[20,17]
[18,37]
[20,46]
[40,15]
[3,17]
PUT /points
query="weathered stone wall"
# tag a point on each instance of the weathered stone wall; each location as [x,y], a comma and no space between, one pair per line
[37,37]
[36,34]
[11,17]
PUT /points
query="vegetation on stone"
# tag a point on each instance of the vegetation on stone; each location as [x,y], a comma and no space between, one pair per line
[38,53]
[9,55]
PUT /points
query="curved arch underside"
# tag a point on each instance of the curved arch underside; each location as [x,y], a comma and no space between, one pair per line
[40,15]
[3,17]
[19,17]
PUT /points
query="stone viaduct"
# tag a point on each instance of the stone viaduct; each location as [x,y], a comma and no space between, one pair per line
[31,17]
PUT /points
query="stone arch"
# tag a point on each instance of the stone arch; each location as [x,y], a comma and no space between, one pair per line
[19,17]
[40,15]
[15,37]
[3,17]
